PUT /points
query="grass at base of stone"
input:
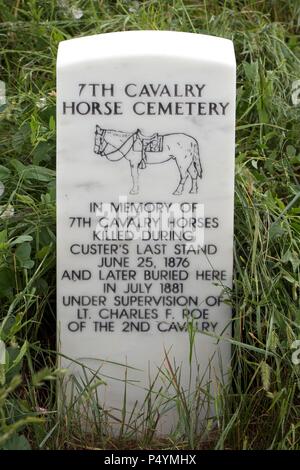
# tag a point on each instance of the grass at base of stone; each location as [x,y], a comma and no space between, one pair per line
[261,408]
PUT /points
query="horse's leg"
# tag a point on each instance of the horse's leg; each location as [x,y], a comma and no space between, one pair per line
[183,171]
[194,175]
[135,177]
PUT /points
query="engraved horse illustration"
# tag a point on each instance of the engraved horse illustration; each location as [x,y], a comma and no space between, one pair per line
[141,150]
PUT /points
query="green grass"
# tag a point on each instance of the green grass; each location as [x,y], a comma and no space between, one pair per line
[261,407]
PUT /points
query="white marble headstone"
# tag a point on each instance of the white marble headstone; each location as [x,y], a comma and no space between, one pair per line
[145,188]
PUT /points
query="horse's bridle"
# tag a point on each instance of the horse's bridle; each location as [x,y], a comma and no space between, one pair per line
[116,149]
[102,133]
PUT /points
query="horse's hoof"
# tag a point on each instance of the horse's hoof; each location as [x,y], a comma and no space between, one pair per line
[177,193]
[133,193]
[194,191]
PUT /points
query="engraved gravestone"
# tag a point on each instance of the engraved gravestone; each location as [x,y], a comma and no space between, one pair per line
[145,186]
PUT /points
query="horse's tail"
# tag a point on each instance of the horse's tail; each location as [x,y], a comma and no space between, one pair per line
[196,159]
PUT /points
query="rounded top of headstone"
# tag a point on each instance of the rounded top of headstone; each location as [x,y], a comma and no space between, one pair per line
[146,44]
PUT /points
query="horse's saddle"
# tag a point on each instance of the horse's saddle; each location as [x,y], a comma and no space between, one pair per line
[145,144]
[154,143]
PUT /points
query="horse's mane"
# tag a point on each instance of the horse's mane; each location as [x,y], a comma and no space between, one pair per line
[114,133]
